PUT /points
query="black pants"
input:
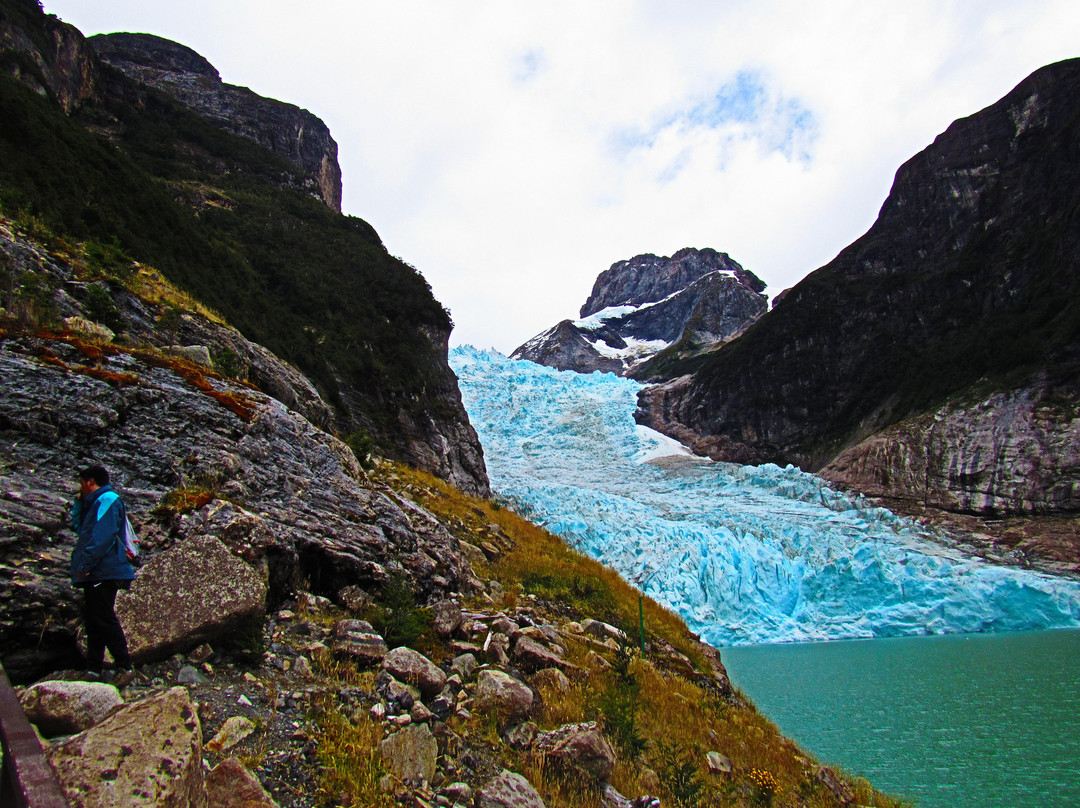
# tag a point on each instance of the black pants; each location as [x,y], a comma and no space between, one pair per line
[103,629]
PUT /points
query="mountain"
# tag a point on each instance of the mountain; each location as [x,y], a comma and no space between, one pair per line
[639,307]
[142,153]
[936,360]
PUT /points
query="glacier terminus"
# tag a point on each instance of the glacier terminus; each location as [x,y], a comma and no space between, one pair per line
[745,554]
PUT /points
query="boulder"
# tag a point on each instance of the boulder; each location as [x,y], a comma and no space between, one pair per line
[357,639]
[231,785]
[550,679]
[64,708]
[447,617]
[410,754]
[531,656]
[508,790]
[579,746]
[187,595]
[602,631]
[464,665]
[146,754]
[414,668]
[232,732]
[718,764]
[499,692]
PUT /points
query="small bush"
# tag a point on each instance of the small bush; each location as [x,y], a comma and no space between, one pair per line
[397,617]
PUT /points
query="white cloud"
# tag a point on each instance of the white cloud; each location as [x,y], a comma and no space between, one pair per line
[512,152]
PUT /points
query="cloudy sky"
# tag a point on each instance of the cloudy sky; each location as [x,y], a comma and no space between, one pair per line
[511,151]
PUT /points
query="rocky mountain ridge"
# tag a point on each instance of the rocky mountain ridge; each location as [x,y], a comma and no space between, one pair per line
[283,128]
[246,230]
[643,305]
[936,360]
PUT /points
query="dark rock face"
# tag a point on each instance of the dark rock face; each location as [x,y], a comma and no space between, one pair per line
[699,297]
[648,278]
[60,62]
[292,132]
[966,290]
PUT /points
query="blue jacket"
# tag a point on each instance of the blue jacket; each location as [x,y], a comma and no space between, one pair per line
[99,553]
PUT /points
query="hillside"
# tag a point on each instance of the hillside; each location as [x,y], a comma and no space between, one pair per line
[99,158]
[936,360]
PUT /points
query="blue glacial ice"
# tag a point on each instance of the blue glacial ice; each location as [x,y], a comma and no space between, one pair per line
[747,555]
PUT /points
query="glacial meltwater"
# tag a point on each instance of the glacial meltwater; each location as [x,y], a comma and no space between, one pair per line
[755,555]
[987,720]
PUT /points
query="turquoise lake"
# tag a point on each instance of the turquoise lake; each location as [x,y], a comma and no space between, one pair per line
[987,721]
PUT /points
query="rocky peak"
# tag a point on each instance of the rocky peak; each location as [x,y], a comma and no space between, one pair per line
[294,133]
[648,278]
[641,306]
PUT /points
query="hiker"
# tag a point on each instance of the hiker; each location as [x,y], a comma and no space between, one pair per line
[100,566]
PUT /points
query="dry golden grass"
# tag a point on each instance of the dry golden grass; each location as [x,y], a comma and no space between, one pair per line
[151,286]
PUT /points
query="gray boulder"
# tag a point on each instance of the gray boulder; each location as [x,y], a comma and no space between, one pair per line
[192,593]
[357,639]
[231,785]
[64,708]
[499,692]
[508,790]
[411,753]
[578,746]
[412,667]
[146,755]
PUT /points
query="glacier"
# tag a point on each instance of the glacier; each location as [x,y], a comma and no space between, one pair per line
[745,554]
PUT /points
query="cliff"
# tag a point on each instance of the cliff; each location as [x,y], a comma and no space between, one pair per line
[230,196]
[650,305]
[936,360]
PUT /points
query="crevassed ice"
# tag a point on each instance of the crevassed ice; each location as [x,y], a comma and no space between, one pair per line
[751,554]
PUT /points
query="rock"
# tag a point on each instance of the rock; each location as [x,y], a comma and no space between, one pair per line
[232,732]
[498,692]
[189,676]
[421,714]
[551,679]
[91,329]
[196,354]
[464,665]
[191,593]
[146,754]
[579,746]
[447,617]
[414,668]
[231,785]
[695,295]
[410,754]
[508,790]
[496,647]
[358,640]
[473,554]
[531,656]
[603,631]
[200,654]
[354,599]
[865,361]
[64,708]
[457,793]
[520,736]
[718,764]
[841,790]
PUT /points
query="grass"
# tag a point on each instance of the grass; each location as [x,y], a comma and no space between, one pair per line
[660,722]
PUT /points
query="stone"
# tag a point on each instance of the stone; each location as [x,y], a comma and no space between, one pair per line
[496,648]
[473,554]
[231,785]
[190,676]
[232,732]
[64,708]
[497,691]
[196,354]
[82,325]
[579,746]
[464,665]
[414,668]
[447,617]
[508,790]
[603,631]
[844,793]
[718,764]
[458,793]
[410,754]
[195,591]
[358,640]
[520,736]
[147,754]
[551,679]
[530,656]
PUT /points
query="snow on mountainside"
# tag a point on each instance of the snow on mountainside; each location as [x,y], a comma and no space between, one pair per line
[746,554]
[643,305]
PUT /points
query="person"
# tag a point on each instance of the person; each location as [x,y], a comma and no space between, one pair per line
[100,567]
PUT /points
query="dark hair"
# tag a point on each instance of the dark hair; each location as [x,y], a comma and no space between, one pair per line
[95,473]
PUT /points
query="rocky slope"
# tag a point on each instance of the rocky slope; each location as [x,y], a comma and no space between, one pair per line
[292,132]
[638,307]
[193,190]
[936,360]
